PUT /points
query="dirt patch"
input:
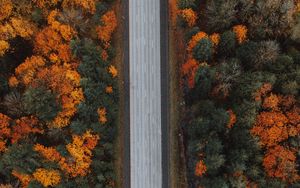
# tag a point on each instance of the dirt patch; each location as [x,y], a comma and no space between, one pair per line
[176,56]
[118,43]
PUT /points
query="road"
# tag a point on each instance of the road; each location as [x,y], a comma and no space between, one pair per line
[145,94]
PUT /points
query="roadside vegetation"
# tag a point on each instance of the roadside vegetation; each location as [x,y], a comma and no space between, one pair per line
[240,80]
[58,93]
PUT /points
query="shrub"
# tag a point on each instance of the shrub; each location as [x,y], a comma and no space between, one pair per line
[203,50]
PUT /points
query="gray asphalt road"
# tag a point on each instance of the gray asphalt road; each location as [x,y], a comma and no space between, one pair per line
[145,94]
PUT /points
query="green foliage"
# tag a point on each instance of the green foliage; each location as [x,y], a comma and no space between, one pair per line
[249,83]
[227,43]
[182,4]
[268,18]
[14,159]
[247,52]
[13,104]
[203,50]
[256,55]
[220,14]
[205,78]
[282,64]
[94,79]
[41,102]
[227,74]
[223,107]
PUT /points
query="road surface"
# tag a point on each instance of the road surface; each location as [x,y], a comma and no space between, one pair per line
[145,94]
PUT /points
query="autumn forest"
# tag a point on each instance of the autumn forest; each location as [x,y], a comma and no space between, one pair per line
[230,111]
[240,85]
[58,92]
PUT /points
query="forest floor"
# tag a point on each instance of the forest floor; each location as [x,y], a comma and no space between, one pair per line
[178,177]
[118,42]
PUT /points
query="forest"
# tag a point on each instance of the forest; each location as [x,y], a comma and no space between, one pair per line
[58,93]
[240,83]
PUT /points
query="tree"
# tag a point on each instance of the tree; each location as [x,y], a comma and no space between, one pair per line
[203,50]
[220,14]
[41,102]
[109,22]
[227,74]
[189,16]
[227,43]
[240,32]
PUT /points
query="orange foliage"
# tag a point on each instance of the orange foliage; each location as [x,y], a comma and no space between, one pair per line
[113,71]
[66,83]
[195,39]
[200,169]
[109,24]
[276,125]
[61,79]
[27,70]
[279,121]
[6,7]
[81,153]
[287,101]
[47,177]
[271,127]
[104,55]
[14,130]
[279,162]
[87,5]
[4,46]
[188,70]
[232,119]
[47,41]
[102,115]
[271,102]
[24,178]
[240,32]
[49,153]
[66,31]
[109,90]
[215,39]
[262,91]
[23,127]
[45,3]
[7,32]
[5,130]
[53,42]
[190,16]
[13,81]
[22,28]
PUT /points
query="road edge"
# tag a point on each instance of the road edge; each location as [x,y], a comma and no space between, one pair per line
[126,109]
[165,102]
